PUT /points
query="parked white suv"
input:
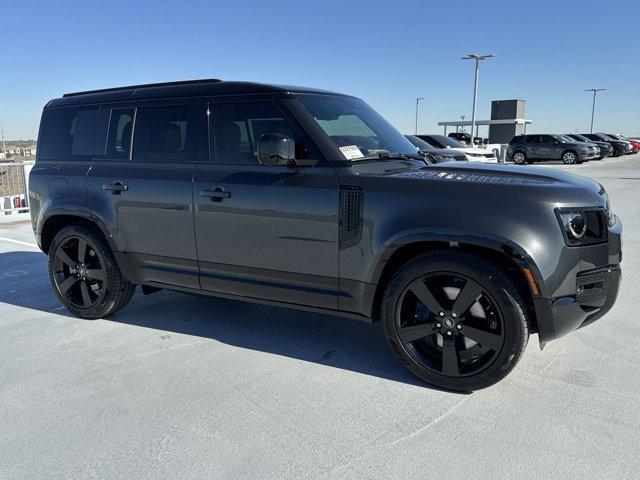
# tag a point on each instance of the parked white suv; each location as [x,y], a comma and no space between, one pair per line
[473,154]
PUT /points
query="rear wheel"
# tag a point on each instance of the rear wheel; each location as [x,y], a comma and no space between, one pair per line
[84,274]
[570,157]
[519,158]
[455,320]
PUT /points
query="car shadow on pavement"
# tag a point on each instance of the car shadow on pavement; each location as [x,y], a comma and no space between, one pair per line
[323,339]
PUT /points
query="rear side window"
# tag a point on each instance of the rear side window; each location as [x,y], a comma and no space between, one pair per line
[119,133]
[161,134]
[67,133]
[518,139]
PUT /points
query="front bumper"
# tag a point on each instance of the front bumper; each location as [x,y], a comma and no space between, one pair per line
[596,290]
[589,155]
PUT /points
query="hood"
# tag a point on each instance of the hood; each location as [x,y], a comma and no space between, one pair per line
[491,173]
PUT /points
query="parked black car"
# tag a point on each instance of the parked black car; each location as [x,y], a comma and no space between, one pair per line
[303,198]
[438,155]
[620,147]
[606,149]
[529,148]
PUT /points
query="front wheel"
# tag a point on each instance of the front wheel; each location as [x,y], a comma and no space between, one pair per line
[84,274]
[455,320]
[570,158]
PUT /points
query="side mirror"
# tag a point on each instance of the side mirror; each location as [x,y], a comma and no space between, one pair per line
[276,149]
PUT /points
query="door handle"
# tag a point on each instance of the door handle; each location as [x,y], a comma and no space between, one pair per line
[216,194]
[116,187]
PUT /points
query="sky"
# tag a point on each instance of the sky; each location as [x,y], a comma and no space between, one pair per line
[388,53]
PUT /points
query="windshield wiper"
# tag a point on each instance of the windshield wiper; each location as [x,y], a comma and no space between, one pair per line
[390,156]
[400,156]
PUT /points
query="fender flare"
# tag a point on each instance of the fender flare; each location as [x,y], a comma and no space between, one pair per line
[73,211]
[455,237]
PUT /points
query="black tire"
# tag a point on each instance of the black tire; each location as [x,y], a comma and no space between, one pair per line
[570,157]
[616,152]
[499,294]
[103,290]
[519,157]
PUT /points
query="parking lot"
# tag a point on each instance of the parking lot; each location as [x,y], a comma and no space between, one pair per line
[178,386]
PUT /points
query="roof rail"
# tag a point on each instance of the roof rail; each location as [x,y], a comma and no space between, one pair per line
[148,85]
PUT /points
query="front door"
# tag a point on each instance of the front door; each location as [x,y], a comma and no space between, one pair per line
[266,232]
[140,187]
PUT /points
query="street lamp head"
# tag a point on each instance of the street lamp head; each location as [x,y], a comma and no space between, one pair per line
[475,56]
[595,89]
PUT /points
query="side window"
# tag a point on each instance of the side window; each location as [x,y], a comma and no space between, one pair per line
[546,139]
[236,128]
[67,133]
[533,139]
[119,133]
[161,134]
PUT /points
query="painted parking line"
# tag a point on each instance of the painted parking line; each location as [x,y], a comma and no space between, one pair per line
[19,242]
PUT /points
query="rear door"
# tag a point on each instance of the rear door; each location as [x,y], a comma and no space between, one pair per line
[549,147]
[140,188]
[267,232]
[534,147]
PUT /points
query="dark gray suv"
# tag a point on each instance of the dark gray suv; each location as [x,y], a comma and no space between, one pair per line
[529,148]
[309,199]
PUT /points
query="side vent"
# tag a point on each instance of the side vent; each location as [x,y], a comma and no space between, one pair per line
[350,216]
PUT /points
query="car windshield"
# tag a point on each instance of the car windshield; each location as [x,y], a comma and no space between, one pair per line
[419,143]
[447,142]
[580,138]
[564,138]
[355,128]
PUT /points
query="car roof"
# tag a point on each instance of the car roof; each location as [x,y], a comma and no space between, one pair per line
[184,89]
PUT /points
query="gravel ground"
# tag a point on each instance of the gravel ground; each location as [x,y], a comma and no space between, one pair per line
[178,386]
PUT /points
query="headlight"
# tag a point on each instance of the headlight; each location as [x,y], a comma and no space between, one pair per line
[575,224]
[611,218]
[583,226]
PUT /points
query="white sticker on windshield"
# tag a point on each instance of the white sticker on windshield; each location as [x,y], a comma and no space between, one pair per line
[351,151]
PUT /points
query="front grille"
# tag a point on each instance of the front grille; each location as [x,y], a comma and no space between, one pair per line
[592,285]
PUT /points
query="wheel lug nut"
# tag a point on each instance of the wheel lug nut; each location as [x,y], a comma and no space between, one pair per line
[448,332]
[454,315]
[459,327]
[441,314]
[438,325]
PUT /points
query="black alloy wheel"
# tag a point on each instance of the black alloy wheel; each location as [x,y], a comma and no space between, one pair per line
[79,273]
[449,324]
[455,319]
[84,273]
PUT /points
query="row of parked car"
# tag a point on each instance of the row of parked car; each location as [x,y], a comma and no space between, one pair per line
[570,148]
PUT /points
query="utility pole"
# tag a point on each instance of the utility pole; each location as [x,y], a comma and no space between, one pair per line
[418,99]
[4,147]
[478,59]
[593,106]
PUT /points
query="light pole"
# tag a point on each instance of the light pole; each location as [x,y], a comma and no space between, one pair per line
[477,58]
[417,103]
[593,106]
